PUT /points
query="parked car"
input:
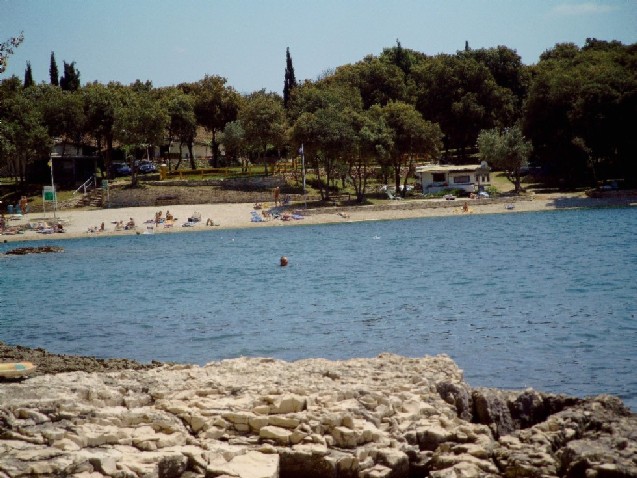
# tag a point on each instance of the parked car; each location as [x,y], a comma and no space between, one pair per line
[146,167]
[122,169]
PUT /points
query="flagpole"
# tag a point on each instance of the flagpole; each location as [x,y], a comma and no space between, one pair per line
[55,199]
[303,166]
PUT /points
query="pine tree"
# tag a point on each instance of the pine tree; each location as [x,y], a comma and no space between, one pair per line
[53,71]
[28,76]
[290,79]
[70,81]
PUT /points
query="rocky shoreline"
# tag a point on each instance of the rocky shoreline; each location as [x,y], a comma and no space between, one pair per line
[383,417]
[49,363]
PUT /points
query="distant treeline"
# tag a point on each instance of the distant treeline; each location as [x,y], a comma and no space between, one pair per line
[576,106]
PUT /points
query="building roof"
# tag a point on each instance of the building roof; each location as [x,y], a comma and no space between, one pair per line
[447,168]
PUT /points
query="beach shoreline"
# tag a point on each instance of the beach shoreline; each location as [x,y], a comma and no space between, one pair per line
[84,223]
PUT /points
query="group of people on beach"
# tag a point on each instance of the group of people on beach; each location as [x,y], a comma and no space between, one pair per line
[42,227]
[167,220]
[119,226]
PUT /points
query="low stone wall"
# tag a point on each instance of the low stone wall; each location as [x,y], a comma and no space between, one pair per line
[388,416]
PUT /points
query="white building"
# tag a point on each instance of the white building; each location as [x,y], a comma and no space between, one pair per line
[470,178]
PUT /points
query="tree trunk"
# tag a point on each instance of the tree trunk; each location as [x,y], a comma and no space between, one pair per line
[265,160]
[215,150]
[109,156]
[192,156]
[397,175]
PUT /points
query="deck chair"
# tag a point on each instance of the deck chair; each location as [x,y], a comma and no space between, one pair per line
[393,197]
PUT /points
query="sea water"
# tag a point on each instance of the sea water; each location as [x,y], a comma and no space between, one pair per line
[545,300]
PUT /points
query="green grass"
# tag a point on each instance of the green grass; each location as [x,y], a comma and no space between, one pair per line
[501,183]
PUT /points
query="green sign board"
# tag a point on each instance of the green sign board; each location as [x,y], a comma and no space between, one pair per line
[48,194]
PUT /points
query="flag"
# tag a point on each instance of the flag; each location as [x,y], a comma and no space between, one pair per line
[50,163]
[301,150]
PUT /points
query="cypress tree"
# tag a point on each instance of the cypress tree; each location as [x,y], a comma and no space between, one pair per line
[53,71]
[290,79]
[70,81]
[28,76]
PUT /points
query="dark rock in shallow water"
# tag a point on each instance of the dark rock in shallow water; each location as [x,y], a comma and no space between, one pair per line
[50,363]
[21,251]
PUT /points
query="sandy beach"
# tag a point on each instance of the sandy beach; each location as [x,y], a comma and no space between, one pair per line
[87,222]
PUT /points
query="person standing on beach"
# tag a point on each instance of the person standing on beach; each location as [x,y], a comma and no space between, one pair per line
[277,193]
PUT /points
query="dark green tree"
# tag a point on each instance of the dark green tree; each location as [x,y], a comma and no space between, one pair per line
[322,121]
[140,123]
[508,150]
[378,81]
[28,76]
[290,78]
[401,57]
[70,81]
[100,105]
[373,142]
[234,142]
[507,69]
[580,109]
[54,74]
[263,120]
[22,134]
[411,134]
[62,112]
[215,105]
[461,95]
[182,126]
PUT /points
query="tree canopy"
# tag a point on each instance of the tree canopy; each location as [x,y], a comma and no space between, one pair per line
[290,78]
[54,74]
[70,80]
[508,150]
[577,108]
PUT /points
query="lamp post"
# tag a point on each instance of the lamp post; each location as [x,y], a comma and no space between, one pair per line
[55,197]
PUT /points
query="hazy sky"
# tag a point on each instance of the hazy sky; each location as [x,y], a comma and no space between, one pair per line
[173,41]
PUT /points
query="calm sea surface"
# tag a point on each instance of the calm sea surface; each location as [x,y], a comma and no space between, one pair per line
[546,300]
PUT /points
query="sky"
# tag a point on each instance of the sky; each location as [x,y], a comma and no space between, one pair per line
[174,41]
